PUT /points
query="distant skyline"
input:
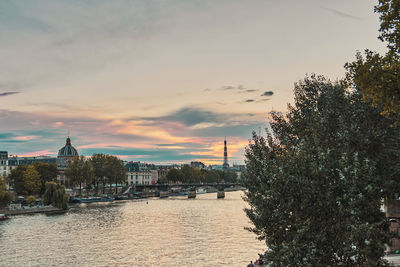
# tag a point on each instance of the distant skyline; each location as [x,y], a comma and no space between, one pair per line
[164,81]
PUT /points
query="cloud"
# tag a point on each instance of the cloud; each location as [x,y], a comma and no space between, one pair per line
[238,89]
[267,93]
[341,14]
[192,116]
[8,93]
[186,134]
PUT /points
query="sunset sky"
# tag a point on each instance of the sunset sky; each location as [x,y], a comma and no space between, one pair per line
[164,81]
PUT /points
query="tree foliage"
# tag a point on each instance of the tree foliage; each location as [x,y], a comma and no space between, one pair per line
[80,171]
[30,200]
[5,196]
[48,172]
[99,169]
[55,195]
[32,181]
[175,175]
[189,174]
[115,171]
[16,179]
[316,183]
[378,76]
[74,172]
[25,179]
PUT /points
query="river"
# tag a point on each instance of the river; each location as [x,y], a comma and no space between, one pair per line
[177,231]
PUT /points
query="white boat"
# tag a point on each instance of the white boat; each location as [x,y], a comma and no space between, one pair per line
[201,191]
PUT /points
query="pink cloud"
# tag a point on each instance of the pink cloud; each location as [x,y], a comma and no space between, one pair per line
[25,137]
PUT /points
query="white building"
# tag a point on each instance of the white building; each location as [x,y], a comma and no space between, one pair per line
[139,177]
[141,173]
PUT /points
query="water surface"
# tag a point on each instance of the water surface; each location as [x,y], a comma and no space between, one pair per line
[205,231]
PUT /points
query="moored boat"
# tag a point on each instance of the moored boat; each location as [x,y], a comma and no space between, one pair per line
[3,217]
[91,199]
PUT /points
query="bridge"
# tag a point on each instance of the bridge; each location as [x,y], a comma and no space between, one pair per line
[163,190]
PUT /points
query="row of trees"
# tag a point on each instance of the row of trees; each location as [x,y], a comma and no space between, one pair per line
[31,180]
[318,180]
[37,179]
[99,169]
[188,174]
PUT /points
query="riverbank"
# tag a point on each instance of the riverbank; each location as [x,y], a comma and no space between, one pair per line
[33,210]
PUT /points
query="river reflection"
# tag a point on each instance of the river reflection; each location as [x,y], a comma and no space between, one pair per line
[205,231]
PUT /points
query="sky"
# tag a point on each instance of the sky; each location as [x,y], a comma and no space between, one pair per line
[164,81]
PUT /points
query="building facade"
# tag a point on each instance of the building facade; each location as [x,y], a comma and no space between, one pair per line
[139,173]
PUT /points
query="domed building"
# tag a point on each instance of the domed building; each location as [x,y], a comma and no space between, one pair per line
[65,155]
[68,152]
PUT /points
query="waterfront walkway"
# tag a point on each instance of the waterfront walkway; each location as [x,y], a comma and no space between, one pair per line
[32,210]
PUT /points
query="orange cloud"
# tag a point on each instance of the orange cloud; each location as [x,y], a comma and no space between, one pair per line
[137,128]
[25,137]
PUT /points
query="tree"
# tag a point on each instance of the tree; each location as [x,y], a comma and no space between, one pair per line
[212,176]
[55,195]
[80,171]
[32,181]
[378,76]
[316,183]
[228,176]
[30,200]
[175,175]
[115,171]
[16,179]
[99,169]
[191,175]
[48,172]
[74,172]
[87,172]
[5,196]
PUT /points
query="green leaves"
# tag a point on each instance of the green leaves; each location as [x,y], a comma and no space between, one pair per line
[55,195]
[378,77]
[5,196]
[316,182]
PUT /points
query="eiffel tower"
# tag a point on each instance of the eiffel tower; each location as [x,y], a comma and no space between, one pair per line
[225,166]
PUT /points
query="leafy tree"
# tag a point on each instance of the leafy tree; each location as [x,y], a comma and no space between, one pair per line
[30,200]
[228,176]
[316,183]
[5,196]
[191,175]
[87,172]
[378,76]
[197,175]
[32,181]
[175,175]
[74,172]
[99,169]
[212,176]
[80,171]
[115,171]
[55,195]
[48,172]
[16,179]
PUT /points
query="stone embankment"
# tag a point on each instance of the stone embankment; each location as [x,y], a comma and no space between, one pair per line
[32,210]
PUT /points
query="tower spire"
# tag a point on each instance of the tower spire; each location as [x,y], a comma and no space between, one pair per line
[226,164]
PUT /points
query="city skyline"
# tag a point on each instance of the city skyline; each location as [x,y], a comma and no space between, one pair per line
[164,82]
